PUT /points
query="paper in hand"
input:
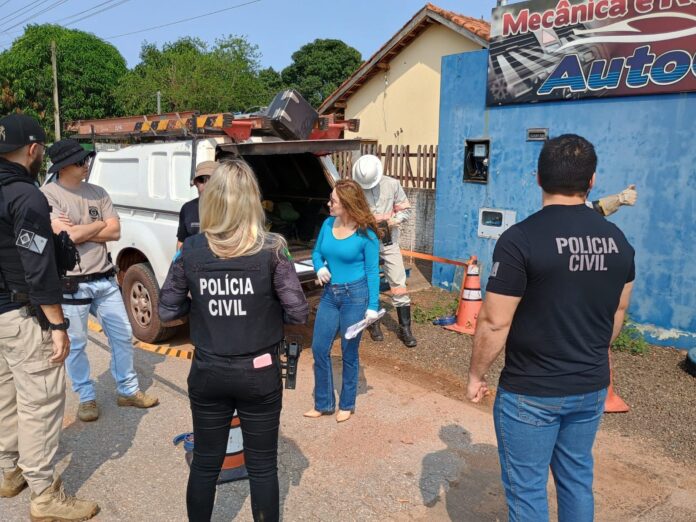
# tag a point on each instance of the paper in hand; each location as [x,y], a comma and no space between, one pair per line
[354,329]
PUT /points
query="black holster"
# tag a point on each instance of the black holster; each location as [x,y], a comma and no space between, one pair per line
[70,285]
[36,311]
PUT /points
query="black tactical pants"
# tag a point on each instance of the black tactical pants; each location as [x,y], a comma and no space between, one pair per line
[217,387]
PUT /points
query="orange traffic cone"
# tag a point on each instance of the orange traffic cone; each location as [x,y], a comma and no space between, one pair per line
[469,301]
[614,403]
[234,465]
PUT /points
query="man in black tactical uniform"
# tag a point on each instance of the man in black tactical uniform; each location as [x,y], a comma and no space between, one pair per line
[32,374]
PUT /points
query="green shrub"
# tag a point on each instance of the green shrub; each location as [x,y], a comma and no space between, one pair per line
[446,306]
[630,340]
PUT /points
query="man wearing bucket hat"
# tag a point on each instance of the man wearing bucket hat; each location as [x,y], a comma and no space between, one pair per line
[189,220]
[86,213]
[390,206]
[32,375]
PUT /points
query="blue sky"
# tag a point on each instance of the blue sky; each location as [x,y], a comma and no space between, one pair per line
[278,27]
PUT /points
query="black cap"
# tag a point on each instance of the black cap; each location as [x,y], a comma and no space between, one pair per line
[66,152]
[18,130]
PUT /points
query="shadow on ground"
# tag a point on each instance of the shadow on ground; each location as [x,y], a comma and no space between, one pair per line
[83,442]
[231,497]
[465,476]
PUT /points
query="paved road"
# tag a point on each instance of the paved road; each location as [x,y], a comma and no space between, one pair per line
[408,454]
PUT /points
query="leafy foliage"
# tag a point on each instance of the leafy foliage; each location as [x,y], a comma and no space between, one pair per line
[192,75]
[444,307]
[631,340]
[319,67]
[88,70]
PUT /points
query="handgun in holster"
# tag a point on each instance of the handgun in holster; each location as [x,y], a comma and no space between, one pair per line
[386,232]
[289,357]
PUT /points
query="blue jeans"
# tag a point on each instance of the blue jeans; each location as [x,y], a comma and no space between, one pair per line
[537,432]
[107,305]
[341,305]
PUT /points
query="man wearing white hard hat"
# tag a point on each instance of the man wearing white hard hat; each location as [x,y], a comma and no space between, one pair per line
[390,206]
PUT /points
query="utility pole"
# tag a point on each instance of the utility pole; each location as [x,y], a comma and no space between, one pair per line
[159,103]
[56,109]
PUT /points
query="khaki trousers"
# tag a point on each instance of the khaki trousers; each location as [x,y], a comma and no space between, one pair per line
[32,399]
[394,270]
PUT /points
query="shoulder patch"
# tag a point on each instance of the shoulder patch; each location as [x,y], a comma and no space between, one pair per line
[31,241]
[494,270]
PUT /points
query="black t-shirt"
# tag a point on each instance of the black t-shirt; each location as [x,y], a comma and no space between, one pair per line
[27,257]
[569,265]
[189,221]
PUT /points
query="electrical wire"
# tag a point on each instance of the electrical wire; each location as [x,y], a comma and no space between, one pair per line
[108,7]
[21,12]
[83,12]
[182,20]
[60,2]
[5,3]
[36,15]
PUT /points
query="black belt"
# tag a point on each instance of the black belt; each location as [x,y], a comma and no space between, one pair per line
[92,277]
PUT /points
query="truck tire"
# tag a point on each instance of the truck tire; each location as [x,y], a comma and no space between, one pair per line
[141,297]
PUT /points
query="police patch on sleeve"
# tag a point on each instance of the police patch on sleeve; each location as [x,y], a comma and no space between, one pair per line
[31,241]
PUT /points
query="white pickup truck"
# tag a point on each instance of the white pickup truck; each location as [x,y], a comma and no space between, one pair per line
[149,182]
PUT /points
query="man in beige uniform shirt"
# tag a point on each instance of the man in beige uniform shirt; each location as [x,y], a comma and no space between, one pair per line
[85,212]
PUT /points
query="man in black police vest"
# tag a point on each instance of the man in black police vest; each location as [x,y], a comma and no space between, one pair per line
[558,291]
[32,375]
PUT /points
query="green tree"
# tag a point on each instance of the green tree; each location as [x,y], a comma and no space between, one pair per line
[193,76]
[88,70]
[271,81]
[318,68]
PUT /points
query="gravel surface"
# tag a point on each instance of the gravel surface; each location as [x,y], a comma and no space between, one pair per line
[660,393]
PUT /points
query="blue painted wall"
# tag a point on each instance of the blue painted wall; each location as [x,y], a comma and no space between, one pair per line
[646,140]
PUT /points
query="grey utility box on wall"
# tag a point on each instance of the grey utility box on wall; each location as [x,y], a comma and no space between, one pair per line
[494,221]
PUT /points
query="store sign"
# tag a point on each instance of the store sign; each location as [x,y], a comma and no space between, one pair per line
[557,50]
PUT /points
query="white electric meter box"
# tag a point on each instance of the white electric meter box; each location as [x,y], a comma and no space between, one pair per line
[494,221]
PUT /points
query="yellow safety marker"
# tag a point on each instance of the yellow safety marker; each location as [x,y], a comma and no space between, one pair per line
[160,349]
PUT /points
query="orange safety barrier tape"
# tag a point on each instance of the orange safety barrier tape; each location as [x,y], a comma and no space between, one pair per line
[428,257]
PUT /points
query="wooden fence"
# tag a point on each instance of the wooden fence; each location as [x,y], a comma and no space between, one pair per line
[414,169]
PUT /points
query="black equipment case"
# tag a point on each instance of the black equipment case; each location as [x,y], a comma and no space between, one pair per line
[291,116]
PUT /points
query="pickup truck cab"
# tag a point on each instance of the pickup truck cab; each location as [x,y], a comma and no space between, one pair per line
[149,182]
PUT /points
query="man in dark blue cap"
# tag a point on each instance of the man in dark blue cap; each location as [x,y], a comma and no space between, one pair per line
[32,374]
[86,213]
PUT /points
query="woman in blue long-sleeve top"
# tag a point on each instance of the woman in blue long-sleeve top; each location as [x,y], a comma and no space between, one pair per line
[346,259]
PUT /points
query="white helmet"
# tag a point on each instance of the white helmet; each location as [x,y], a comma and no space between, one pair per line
[368,171]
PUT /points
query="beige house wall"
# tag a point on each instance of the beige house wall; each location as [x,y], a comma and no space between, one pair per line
[401,106]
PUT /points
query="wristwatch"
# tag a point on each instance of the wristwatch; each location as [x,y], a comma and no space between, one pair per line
[60,326]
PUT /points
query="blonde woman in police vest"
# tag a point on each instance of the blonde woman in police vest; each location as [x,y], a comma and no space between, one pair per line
[242,286]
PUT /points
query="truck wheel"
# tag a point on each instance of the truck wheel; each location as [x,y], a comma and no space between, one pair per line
[141,297]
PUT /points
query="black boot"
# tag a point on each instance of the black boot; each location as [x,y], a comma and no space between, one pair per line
[375,331]
[404,313]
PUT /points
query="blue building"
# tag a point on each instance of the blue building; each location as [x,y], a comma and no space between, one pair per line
[647,140]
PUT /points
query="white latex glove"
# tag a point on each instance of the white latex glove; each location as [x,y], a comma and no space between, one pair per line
[628,196]
[323,275]
[371,315]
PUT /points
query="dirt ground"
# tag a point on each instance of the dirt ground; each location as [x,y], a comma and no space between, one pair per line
[660,393]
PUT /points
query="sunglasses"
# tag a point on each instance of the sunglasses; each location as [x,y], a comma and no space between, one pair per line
[201,180]
[84,161]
